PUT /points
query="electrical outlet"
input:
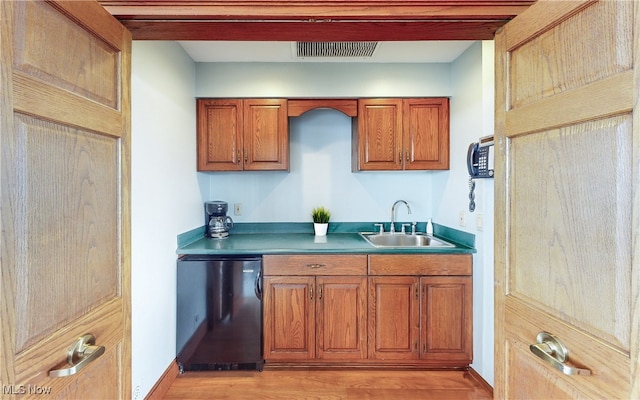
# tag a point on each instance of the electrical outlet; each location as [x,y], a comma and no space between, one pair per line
[461,219]
[237,209]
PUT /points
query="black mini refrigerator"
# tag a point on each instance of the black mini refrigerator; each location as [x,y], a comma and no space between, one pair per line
[219,313]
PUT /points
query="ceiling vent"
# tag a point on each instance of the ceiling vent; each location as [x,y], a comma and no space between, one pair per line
[335,49]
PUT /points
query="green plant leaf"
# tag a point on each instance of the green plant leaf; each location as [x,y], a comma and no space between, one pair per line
[320,215]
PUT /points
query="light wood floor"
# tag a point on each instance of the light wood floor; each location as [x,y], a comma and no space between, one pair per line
[351,384]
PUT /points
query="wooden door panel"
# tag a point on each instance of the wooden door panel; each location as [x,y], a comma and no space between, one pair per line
[108,363]
[41,54]
[72,233]
[532,380]
[103,322]
[65,119]
[610,376]
[426,133]
[220,135]
[574,262]
[342,318]
[394,318]
[423,143]
[378,135]
[289,318]
[605,46]
[446,328]
[567,140]
[266,134]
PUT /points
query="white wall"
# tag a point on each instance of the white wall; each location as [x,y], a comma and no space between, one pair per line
[321,80]
[472,114]
[320,165]
[165,199]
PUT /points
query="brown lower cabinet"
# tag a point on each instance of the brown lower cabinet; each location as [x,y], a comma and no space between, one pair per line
[421,318]
[315,308]
[376,309]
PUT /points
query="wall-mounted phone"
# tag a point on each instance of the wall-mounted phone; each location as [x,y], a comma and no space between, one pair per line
[479,164]
[480,158]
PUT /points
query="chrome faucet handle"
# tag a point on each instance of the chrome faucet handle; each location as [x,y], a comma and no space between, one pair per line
[381,230]
[413,228]
[404,230]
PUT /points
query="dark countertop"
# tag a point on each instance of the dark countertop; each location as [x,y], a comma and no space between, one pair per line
[298,238]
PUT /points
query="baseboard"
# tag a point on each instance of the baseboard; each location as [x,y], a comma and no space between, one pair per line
[478,378]
[160,389]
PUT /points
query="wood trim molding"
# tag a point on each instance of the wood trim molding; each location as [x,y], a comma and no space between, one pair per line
[478,378]
[160,389]
[312,31]
[289,20]
[297,107]
[306,10]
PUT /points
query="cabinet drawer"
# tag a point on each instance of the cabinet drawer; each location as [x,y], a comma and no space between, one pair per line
[319,264]
[420,264]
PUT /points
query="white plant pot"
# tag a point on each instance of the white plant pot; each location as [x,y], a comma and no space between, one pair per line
[320,229]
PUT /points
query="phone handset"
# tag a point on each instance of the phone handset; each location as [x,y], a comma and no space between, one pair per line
[472,166]
[472,159]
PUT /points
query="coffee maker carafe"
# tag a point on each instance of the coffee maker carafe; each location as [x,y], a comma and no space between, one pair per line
[217,223]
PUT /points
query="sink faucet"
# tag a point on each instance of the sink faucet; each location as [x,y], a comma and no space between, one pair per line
[393,213]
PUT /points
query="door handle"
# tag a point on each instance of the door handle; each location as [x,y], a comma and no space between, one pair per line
[258,285]
[80,354]
[551,350]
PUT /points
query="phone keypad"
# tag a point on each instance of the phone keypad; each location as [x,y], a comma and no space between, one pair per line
[483,163]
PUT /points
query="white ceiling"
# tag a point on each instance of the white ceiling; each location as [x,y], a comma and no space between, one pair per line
[386,52]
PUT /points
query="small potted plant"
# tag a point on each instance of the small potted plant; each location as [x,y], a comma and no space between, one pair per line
[320,216]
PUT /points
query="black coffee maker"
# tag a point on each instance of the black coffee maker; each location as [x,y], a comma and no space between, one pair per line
[217,223]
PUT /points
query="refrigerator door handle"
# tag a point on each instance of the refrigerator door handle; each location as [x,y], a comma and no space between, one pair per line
[258,285]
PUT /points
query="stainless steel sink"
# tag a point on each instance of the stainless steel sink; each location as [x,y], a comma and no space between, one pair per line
[403,240]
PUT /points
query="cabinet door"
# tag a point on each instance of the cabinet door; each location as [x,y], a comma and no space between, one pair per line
[219,135]
[378,135]
[289,319]
[341,317]
[394,321]
[266,134]
[426,133]
[447,318]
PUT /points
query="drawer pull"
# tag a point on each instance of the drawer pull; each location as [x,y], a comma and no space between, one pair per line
[316,265]
[553,352]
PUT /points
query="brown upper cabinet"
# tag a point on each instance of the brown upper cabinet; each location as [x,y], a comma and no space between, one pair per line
[401,134]
[242,135]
